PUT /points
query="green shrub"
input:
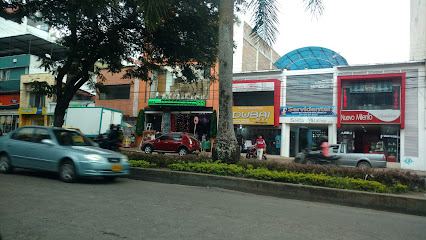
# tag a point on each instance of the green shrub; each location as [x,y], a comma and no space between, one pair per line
[141,164]
[218,168]
[391,178]
[383,176]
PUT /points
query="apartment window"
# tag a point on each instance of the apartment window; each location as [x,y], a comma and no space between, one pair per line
[4,74]
[37,100]
[116,92]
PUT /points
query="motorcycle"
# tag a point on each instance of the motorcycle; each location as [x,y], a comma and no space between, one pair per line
[315,157]
[252,153]
[110,144]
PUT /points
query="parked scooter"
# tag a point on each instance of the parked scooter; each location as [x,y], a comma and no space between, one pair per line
[252,153]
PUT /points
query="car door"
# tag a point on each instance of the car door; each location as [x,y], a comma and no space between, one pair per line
[161,143]
[19,147]
[344,161]
[175,142]
[43,155]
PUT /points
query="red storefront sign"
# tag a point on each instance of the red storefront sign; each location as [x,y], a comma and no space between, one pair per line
[12,99]
[371,116]
[391,116]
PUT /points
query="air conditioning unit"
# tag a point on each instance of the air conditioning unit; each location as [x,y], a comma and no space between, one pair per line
[15,60]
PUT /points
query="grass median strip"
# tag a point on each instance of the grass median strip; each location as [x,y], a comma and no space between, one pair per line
[260,173]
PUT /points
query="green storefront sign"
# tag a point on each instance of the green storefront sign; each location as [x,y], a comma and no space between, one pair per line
[176,102]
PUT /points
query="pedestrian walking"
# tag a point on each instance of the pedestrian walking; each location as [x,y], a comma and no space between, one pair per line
[132,141]
[260,146]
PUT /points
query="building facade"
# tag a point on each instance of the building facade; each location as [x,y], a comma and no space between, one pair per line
[256,108]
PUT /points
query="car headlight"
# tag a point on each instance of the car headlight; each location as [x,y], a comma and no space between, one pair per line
[125,158]
[94,157]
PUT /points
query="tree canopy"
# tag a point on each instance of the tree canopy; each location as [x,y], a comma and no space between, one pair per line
[156,32]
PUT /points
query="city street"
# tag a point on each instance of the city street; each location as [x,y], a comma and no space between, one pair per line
[36,205]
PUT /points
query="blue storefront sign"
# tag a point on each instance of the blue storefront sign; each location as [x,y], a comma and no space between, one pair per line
[309,111]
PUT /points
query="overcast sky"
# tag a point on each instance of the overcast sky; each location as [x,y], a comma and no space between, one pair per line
[362,31]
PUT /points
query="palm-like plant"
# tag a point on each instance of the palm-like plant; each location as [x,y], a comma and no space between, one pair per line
[266,27]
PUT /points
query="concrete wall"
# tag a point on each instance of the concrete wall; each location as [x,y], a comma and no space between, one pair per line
[11,28]
[418,30]
[251,56]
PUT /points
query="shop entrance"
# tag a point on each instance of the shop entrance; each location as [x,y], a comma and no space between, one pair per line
[155,121]
[308,137]
[271,135]
[185,123]
[380,139]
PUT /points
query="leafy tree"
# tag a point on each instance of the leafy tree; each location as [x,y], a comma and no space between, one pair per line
[226,147]
[140,123]
[161,32]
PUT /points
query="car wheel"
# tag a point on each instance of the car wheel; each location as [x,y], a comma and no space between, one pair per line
[67,172]
[364,165]
[110,178]
[5,165]
[148,149]
[183,151]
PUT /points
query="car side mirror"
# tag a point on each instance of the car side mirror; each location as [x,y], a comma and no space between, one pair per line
[48,142]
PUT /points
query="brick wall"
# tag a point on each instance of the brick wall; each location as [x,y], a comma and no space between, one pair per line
[125,105]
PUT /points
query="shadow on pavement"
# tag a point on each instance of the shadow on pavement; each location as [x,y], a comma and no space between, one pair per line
[55,177]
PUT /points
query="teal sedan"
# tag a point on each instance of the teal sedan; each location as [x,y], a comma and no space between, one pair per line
[65,151]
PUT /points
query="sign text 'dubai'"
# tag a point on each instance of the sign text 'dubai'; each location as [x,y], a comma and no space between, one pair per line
[253,115]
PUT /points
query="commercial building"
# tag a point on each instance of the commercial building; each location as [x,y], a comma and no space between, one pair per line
[20,46]
[171,103]
[256,108]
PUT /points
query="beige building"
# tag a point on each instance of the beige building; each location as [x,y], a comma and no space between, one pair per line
[249,55]
[32,110]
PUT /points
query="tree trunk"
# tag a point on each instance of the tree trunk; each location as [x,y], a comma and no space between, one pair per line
[62,103]
[226,147]
[60,109]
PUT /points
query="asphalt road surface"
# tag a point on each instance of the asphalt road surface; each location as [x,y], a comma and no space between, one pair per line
[37,205]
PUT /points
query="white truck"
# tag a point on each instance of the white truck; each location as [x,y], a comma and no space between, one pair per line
[92,121]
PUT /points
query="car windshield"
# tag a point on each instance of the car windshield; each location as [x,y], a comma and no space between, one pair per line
[71,138]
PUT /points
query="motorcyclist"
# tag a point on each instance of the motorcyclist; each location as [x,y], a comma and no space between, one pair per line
[325,147]
[112,138]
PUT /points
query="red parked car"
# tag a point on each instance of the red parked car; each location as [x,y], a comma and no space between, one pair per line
[182,143]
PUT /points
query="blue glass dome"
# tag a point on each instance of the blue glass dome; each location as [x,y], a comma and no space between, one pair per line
[310,58]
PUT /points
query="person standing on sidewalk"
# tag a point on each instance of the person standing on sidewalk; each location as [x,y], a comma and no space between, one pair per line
[260,146]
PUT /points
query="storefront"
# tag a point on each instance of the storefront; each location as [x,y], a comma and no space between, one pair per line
[308,125]
[308,112]
[174,115]
[33,116]
[371,113]
[256,112]
[9,116]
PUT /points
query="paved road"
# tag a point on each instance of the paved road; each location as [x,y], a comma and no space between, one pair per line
[39,206]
